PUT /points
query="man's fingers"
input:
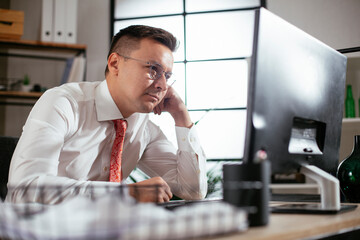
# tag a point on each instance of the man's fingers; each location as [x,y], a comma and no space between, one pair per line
[157,109]
[168,193]
[163,193]
[151,190]
[167,190]
[163,198]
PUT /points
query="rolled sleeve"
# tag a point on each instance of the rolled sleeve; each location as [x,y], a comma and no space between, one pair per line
[188,142]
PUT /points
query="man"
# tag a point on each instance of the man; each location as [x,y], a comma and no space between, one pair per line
[67,139]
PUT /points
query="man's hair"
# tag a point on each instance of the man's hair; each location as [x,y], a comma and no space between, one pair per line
[128,39]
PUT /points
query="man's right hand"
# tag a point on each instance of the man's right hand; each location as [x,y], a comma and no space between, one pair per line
[151,190]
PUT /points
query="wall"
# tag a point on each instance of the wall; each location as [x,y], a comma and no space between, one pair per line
[334,22]
[93,30]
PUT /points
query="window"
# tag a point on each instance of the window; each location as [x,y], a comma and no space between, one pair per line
[211,64]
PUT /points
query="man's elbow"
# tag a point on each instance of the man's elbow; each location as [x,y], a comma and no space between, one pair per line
[194,193]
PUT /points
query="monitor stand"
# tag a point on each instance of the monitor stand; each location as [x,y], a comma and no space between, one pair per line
[329,194]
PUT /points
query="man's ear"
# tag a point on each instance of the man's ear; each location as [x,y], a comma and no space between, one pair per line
[113,63]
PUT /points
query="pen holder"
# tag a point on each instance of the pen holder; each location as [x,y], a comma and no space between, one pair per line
[246,185]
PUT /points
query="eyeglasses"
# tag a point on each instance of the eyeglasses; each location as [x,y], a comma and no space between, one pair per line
[155,69]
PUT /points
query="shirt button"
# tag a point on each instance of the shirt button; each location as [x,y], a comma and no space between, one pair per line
[198,171]
[183,139]
[105,169]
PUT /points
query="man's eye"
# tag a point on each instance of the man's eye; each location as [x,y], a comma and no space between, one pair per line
[153,71]
[154,68]
[168,75]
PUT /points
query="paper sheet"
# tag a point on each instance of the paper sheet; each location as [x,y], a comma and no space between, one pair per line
[110,217]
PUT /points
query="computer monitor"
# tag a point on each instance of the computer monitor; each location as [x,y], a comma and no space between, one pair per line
[295,103]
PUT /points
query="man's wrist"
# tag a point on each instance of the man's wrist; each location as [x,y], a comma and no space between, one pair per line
[182,119]
[187,125]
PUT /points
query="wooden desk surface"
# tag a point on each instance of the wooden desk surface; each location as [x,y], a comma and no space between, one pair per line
[299,226]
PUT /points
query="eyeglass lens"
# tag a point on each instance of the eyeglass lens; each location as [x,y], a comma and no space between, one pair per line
[157,71]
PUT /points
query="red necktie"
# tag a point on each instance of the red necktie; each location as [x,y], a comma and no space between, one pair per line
[115,160]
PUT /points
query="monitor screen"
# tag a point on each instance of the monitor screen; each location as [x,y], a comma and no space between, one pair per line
[295,97]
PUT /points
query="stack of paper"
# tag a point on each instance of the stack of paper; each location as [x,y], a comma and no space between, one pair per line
[113,218]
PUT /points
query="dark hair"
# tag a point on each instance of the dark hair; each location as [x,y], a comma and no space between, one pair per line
[128,39]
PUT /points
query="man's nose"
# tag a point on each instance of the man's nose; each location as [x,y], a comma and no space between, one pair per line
[161,83]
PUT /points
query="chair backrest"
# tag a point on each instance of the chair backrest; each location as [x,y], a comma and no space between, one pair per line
[7,147]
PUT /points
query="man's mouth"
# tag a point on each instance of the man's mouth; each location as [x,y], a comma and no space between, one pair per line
[154,97]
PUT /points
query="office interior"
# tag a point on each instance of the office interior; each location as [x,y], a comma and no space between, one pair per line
[334,22]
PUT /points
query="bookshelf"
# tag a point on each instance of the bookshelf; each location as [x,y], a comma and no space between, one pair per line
[38,50]
[41,46]
[19,94]
[351,126]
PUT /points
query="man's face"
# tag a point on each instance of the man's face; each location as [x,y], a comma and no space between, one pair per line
[135,90]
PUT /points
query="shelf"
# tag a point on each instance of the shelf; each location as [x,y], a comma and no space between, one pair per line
[41,50]
[18,98]
[37,50]
[20,95]
[38,45]
[351,120]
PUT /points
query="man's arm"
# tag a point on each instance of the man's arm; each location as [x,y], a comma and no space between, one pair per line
[183,169]
[35,163]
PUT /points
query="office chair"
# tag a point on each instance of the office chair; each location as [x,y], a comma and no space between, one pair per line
[7,147]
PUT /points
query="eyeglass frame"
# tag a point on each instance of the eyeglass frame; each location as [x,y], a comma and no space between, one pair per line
[166,74]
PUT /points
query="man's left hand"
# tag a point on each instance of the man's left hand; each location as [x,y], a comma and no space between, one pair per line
[173,104]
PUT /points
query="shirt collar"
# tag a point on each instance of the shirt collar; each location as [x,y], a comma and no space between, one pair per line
[106,108]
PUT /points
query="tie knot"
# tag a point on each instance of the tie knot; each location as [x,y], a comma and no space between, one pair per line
[120,125]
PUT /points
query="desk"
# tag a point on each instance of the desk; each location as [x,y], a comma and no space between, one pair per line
[300,226]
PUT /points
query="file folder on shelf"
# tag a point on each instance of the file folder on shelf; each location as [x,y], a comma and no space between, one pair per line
[47,34]
[59,21]
[71,21]
[77,70]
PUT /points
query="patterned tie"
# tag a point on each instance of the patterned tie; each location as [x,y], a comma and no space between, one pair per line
[115,161]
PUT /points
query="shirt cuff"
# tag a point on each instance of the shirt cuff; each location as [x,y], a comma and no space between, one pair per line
[187,139]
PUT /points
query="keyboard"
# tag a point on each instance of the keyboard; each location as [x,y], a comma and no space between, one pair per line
[179,203]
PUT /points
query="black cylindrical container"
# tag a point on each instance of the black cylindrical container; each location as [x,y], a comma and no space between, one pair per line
[348,174]
[246,185]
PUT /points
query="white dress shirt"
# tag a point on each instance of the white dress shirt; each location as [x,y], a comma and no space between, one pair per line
[67,141]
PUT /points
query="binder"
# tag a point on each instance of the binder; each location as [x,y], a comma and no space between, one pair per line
[47,34]
[66,74]
[77,71]
[59,20]
[71,21]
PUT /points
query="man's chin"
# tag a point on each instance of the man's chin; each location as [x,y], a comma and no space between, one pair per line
[148,108]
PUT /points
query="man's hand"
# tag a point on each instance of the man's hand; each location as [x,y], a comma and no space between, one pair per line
[151,190]
[173,104]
